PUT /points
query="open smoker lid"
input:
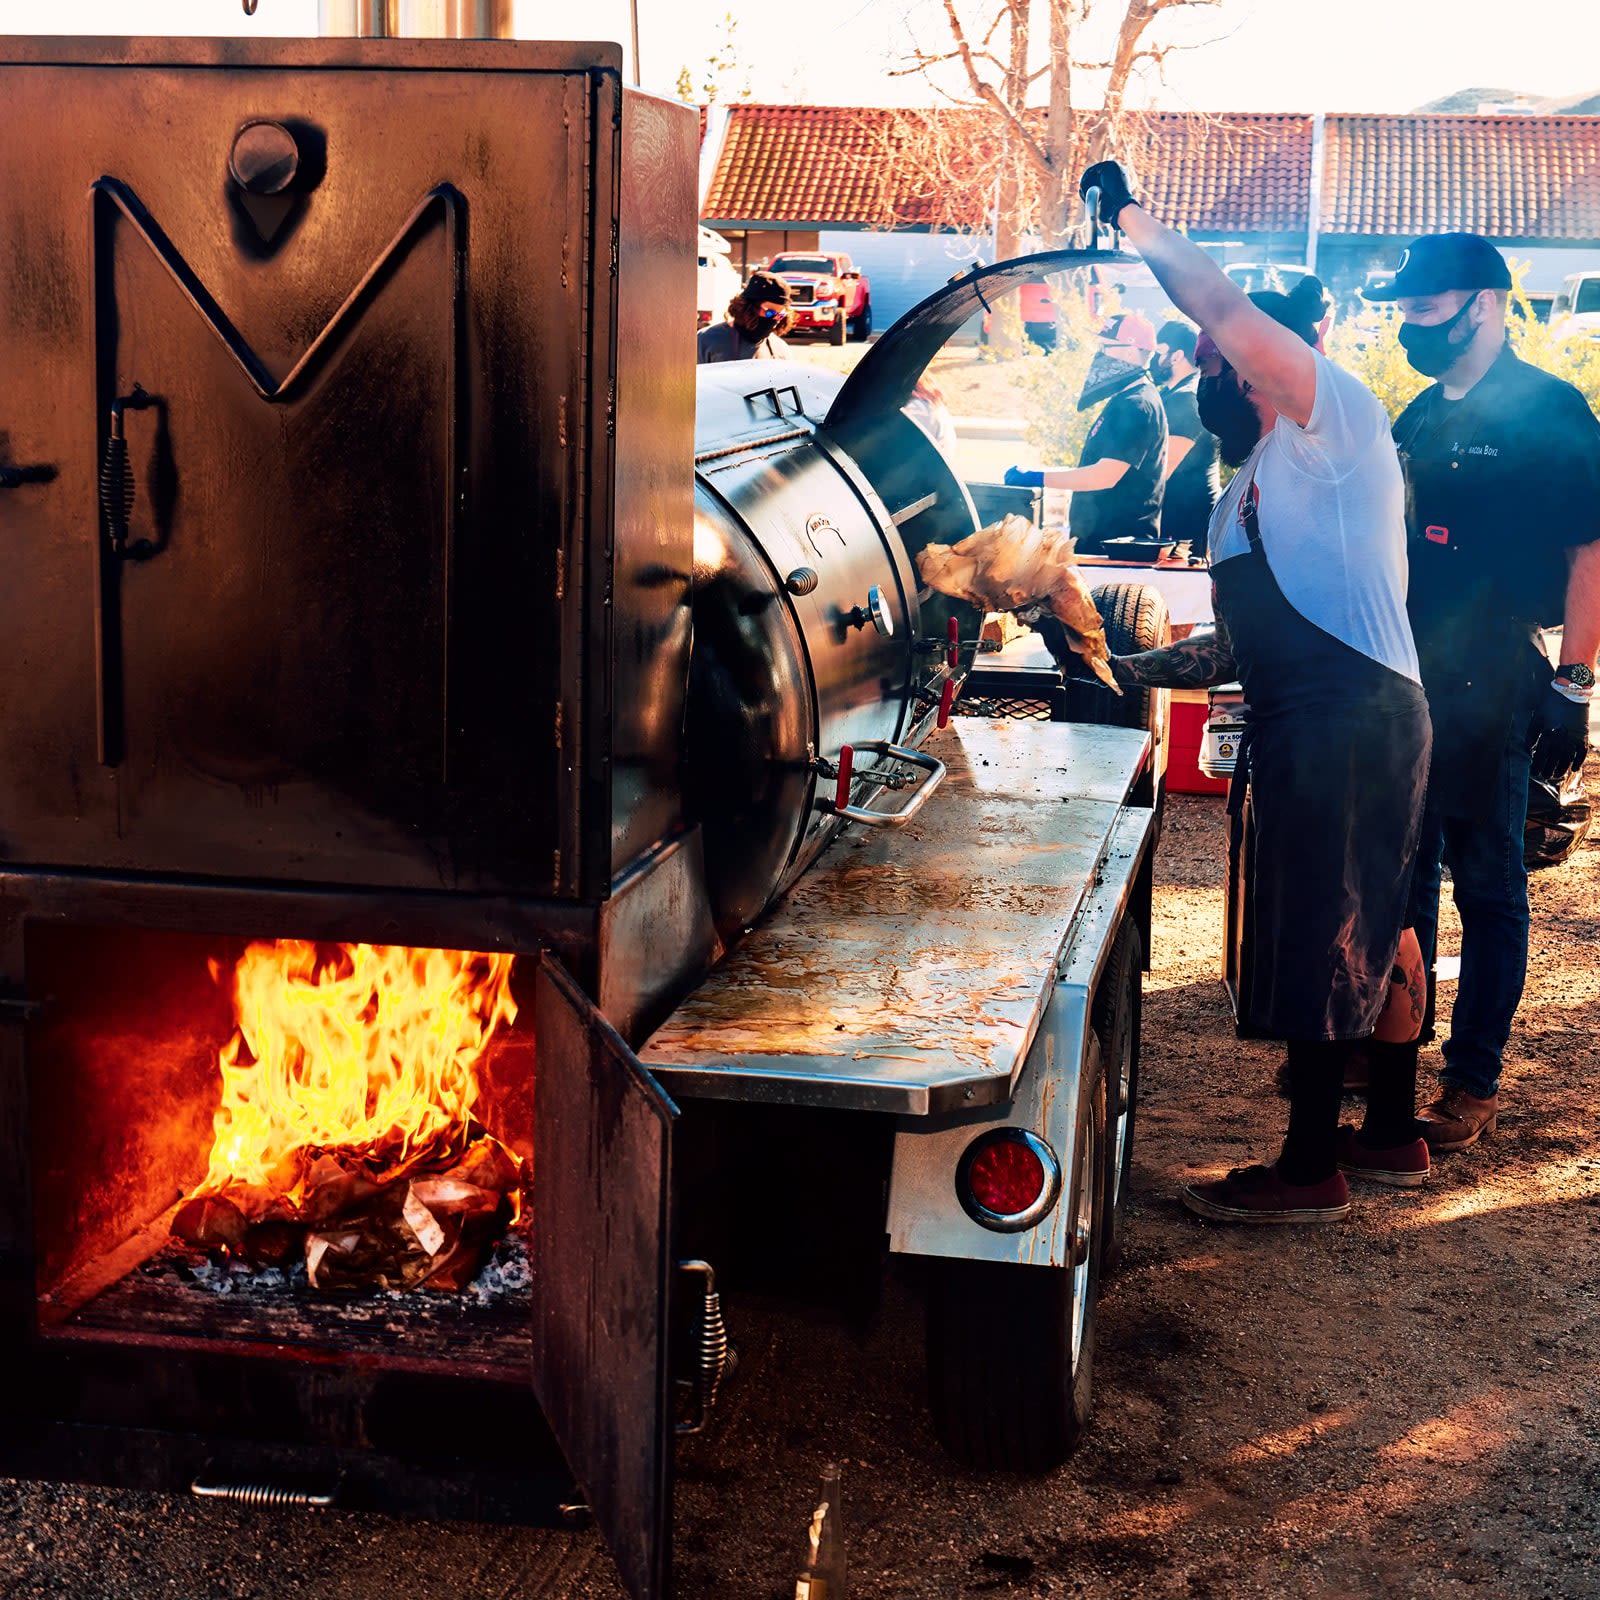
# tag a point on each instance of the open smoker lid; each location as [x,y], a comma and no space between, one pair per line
[885,376]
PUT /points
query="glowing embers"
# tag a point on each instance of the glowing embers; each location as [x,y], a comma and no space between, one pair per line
[346,1131]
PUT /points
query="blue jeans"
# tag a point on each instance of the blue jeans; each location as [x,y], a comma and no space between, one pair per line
[1490,886]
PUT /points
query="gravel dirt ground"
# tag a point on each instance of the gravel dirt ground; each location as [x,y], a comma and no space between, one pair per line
[1397,1406]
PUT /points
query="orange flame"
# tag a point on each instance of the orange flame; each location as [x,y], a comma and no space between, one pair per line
[372,1052]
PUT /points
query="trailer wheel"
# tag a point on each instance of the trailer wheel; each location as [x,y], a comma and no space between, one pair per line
[1135,617]
[1116,1023]
[1011,1348]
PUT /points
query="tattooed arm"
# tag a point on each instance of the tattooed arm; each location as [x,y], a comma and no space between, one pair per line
[1193,663]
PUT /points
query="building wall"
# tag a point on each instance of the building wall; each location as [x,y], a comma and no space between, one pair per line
[905,268]
[754,247]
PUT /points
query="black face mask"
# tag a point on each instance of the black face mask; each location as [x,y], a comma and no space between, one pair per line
[1225,410]
[1431,350]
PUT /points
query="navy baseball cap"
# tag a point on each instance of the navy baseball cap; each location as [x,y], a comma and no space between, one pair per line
[1439,262]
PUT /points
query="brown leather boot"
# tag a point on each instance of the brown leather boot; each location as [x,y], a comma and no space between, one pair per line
[1458,1119]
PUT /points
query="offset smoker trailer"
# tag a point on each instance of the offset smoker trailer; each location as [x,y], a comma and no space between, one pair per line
[975,980]
[370,581]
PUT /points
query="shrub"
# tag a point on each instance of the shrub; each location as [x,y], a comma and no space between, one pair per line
[1052,383]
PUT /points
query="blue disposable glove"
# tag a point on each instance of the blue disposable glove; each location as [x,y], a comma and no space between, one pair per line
[1024,478]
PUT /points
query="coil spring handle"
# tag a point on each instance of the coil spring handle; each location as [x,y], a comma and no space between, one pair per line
[116,478]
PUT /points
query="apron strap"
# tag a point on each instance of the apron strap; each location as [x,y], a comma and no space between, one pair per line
[1249,518]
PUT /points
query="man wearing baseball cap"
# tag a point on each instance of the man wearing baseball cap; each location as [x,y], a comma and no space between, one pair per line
[1502,465]
[1117,483]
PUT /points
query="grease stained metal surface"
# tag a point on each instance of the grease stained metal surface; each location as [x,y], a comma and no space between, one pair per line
[909,969]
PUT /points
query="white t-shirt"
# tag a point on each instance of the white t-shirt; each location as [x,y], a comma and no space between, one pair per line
[1331,505]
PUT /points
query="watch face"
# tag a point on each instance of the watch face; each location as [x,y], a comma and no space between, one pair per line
[1577,674]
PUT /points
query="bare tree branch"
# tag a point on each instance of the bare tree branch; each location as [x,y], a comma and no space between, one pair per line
[998,158]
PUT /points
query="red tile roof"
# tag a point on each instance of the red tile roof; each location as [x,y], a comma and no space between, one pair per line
[804,165]
[1506,177]
[1223,173]
[820,164]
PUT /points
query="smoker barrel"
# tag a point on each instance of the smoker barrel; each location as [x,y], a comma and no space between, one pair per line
[812,492]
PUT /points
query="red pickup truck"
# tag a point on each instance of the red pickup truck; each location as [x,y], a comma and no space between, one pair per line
[826,294]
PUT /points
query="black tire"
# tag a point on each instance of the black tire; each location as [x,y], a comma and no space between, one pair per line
[861,327]
[1136,618]
[1116,1020]
[838,330]
[1011,1348]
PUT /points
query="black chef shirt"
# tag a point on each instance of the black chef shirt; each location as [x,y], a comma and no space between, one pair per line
[1131,428]
[1191,491]
[1500,484]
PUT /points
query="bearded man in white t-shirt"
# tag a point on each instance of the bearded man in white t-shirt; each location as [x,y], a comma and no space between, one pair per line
[1308,563]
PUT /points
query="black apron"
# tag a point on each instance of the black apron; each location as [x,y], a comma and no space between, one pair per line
[1336,758]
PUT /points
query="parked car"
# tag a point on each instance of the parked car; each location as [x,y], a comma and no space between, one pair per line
[826,294]
[1540,303]
[1575,311]
[717,280]
[1254,276]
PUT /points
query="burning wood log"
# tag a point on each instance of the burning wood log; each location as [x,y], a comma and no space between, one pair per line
[425,1227]
[1015,565]
[345,1132]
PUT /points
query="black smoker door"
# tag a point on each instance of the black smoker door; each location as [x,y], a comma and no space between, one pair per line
[323,321]
[602,1242]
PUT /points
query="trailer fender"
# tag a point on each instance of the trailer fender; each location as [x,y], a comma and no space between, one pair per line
[926,1214]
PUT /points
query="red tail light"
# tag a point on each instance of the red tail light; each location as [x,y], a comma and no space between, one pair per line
[1008,1179]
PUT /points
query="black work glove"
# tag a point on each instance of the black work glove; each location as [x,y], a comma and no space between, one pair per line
[1055,638]
[1115,191]
[1560,735]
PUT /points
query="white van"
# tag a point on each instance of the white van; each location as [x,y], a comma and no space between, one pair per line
[717,281]
[1575,312]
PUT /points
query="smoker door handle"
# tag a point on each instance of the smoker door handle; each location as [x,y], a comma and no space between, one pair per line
[931,766]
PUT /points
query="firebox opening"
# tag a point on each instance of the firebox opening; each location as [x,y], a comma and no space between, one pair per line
[320,1242]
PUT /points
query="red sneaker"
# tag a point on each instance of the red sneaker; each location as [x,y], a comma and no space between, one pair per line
[1258,1194]
[1401,1166]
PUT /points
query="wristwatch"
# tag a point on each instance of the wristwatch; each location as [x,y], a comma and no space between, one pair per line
[1579,674]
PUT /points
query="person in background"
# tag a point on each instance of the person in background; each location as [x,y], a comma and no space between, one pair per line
[1116,485]
[1308,565]
[1190,489]
[1502,465]
[927,409]
[757,318]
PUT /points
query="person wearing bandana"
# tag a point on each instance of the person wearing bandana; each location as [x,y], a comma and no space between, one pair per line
[1308,565]
[757,317]
[1502,465]
[1116,485]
